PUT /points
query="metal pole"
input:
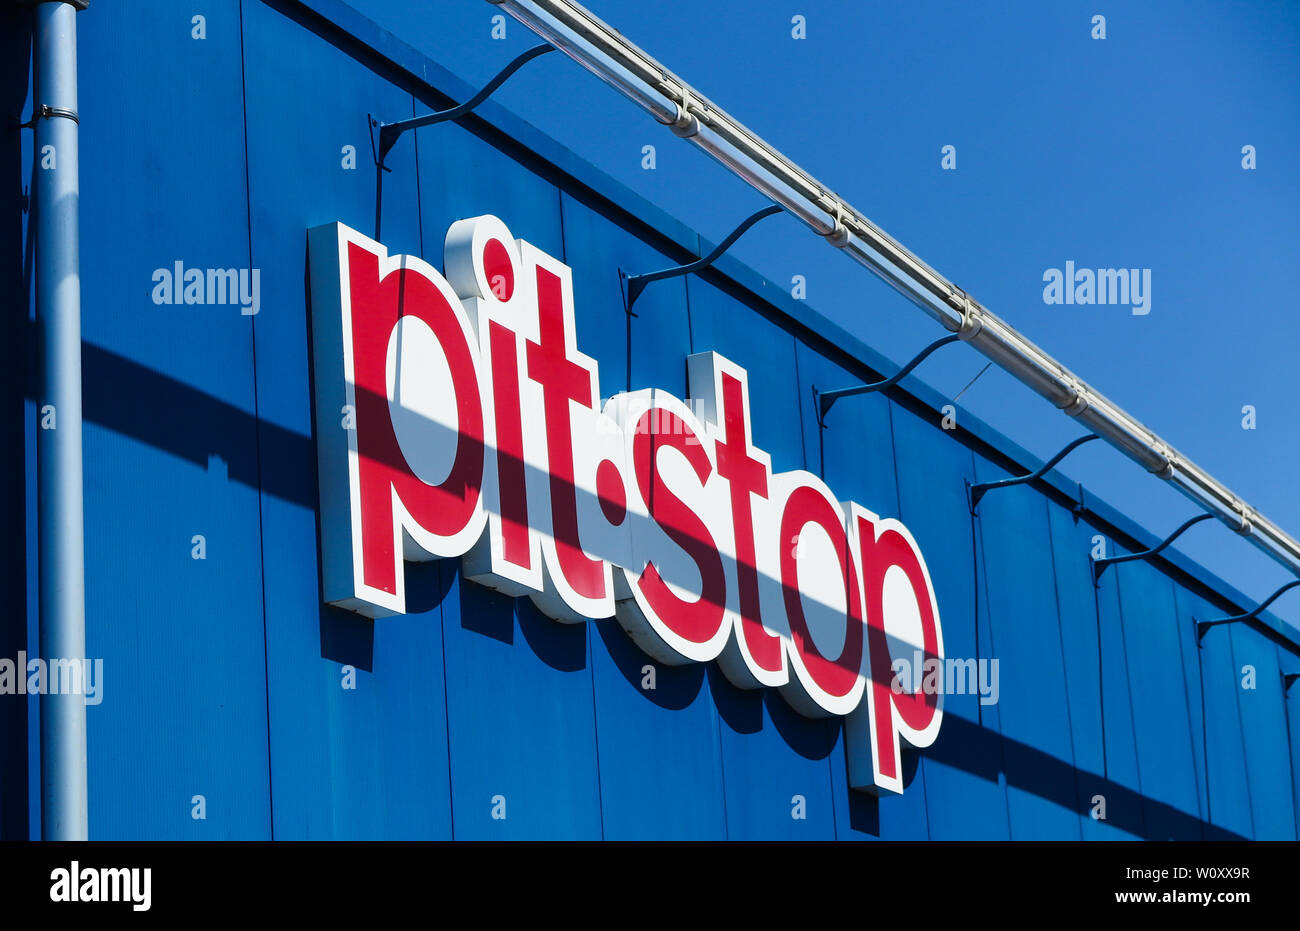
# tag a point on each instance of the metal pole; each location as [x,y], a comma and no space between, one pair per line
[690,115]
[58,446]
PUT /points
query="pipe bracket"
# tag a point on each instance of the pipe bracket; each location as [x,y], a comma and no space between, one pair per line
[839,234]
[44,112]
[971,321]
[1247,515]
[1099,565]
[636,283]
[1203,626]
[687,124]
[824,399]
[389,133]
[979,489]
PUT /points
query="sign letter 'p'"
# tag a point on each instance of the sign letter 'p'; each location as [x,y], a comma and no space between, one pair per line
[902,622]
[405,483]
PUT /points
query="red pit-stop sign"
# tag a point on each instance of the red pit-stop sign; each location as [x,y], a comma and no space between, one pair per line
[457,417]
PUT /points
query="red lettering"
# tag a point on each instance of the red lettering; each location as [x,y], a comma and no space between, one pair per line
[699,620]
[441,510]
[563,381]
[746,477]
[916,710]
[835,677]
[510,446]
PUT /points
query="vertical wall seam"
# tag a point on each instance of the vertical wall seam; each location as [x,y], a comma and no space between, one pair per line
[1128,690]
[1286,729]
[1187,701]
[713,705]
[1241,733]
[898,509]
[257,438]
[722,765]
[803,454]
[798,387]
[893,459]
[446,702]
[442,617]
[419,200]
[1101,680]
[564,242]
[1002,749]
[843,728]
[717,723]
[1290,754]
[975,587]
[690,325]
[1205,734]
[1065,670]
[590,625]
[595,727]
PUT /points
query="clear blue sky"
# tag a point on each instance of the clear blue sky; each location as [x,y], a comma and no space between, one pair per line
[1124,152]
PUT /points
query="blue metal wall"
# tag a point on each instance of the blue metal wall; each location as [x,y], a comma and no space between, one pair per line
[223,676]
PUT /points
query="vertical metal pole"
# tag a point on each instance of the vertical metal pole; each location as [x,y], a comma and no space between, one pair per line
[58,445]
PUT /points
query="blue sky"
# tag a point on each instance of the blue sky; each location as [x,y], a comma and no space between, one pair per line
[1122,152]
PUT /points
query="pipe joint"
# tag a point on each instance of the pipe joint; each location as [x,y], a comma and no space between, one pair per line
[1080,403]
[1076,400]
[1166,457]
[839,234]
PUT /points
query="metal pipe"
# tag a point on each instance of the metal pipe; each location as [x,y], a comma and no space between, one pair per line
[673,102]
[58,446]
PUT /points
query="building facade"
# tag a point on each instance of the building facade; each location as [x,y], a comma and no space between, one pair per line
[236,703]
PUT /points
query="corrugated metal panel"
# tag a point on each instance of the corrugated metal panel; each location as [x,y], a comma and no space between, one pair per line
[348,763]
[1216,685]
[163,181]
[1159,704]
[965,785]
[1024,624]
[1264,732]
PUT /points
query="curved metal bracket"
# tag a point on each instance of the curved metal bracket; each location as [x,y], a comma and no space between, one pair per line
[1099,565]
[389,133]
[636,283]
[979,489]
[1203,626]
[827,398]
